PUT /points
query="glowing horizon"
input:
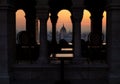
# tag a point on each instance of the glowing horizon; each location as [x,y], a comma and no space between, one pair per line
[20,20]
[64,18]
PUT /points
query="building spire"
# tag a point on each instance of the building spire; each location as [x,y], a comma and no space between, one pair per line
[63,25]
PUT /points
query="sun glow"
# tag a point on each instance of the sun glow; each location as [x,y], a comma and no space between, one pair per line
[63,18]
[20,20]
[85,24]
[104,22]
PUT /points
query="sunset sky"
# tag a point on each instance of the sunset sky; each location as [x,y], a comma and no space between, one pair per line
[64,18]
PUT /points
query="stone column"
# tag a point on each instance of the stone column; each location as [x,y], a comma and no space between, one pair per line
[43,56]
[113,41]
[54,41]
[37,32]
[54,21]
[96,27]
[30,26]
[76,18]
[7,42]
[96,21]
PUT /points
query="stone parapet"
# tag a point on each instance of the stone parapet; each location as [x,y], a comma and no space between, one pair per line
[52,72]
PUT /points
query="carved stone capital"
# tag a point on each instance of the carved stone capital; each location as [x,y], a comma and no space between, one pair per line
[113,6]
[42,15]
[77,14]
[54,19]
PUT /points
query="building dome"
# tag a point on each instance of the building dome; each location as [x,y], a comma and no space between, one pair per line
[63,32]
[63,29]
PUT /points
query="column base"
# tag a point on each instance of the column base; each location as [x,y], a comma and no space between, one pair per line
[79,60]
[41,61]
[4,79]
[114,80]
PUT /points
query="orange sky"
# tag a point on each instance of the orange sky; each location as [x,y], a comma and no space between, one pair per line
[64,18]
[20,20]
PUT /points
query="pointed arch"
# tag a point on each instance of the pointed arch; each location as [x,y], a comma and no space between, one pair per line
[20,21]
[85,24]
[49,28]
[104,25]
[64,18]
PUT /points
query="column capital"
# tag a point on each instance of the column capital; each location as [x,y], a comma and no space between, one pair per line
[3,1]
[113,6]
[7,7]
[54,19]
[43,17]
[42,14]
[95,11]
[77,14]
[96,16]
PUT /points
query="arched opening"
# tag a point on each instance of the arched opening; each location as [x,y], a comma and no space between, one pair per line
[20,22]
[85,25]
[104,26]
[96,24]
[64,25]
[49,29]
[63,34]
[25,53]
[38,31]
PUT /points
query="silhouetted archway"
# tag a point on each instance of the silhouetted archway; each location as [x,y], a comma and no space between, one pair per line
[20,21]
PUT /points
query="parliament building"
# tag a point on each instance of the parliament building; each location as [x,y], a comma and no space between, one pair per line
[50,62]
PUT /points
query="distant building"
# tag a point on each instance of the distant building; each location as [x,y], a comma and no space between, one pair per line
[30,64]
[63,33]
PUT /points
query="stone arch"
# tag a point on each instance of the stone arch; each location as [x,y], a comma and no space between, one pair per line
[20,18]
[96,17]
[20,14]
[30,17]
[95,7]
[85,24]
[104,26]
[67,15]
[66,23]
[59,4]
[56,6]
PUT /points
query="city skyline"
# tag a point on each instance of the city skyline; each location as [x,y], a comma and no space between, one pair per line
[64,18]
